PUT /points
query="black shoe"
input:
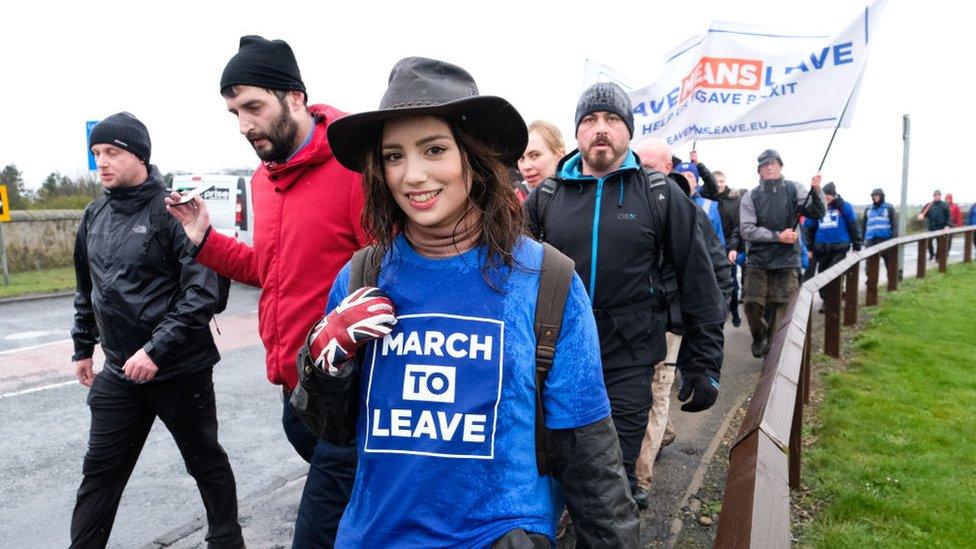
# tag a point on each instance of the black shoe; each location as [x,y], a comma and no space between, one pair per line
[757,347]
[642,497]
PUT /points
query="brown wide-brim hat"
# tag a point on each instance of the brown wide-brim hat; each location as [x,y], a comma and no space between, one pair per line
[421,86]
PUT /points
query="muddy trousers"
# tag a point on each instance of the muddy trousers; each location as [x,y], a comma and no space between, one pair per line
[122,414]
[658,420]
[766,293]
[629,390]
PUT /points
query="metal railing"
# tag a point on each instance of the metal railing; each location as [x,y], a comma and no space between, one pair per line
[764,462]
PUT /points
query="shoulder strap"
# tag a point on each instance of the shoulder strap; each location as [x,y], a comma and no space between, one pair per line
[364,269]
[554,281]
[546,191]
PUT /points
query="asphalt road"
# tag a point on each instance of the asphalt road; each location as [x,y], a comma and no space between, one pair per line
[45,420]
[44,427]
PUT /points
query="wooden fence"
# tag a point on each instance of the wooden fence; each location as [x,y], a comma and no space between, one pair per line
[764,462]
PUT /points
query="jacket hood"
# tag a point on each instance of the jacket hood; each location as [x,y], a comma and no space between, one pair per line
[318,151]
[878,192]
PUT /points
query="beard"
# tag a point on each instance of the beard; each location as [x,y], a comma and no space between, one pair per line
[602,160]
[281,135]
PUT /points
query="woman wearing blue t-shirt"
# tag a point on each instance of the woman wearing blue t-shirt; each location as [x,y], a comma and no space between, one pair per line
[446,417]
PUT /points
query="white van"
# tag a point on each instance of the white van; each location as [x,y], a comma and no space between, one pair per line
[228,201]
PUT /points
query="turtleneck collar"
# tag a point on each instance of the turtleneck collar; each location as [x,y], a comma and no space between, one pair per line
[129,200]
[448,241]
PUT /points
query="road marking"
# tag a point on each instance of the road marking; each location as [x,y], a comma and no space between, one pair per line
[38,346]
[26,335]
[41,388]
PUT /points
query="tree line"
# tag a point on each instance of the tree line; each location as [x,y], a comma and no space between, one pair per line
[61,192]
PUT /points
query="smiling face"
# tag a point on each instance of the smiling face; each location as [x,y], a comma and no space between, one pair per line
[603,139]
[538,161]
[423,170]
[117,167]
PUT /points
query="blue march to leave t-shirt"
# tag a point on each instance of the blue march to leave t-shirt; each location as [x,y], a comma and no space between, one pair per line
[446,432]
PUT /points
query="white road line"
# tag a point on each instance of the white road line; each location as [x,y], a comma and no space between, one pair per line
[38,346]
[41,388]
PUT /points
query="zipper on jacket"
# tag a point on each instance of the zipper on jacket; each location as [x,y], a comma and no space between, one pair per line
[596,236]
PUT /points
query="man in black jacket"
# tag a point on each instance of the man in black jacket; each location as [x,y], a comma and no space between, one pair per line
[936,216]
[768,215]
[621,224]
[142,297]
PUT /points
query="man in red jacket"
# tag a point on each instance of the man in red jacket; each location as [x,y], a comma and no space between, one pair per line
[306,227]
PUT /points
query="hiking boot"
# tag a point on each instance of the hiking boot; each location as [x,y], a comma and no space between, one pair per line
[757,347]
[668,438]
[643,498]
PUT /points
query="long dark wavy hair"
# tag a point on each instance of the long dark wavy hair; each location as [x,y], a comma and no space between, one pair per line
[502,222]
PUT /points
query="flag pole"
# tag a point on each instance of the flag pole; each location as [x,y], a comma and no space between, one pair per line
[829,144]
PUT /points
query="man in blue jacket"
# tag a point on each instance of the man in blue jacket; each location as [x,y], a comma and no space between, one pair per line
[879,222]
[830,238]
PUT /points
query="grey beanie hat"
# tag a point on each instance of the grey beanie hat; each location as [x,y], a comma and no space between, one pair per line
[767,156]
[125,132]
[609,97]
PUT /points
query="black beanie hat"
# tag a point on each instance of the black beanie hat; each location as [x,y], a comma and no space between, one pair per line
[125,132]
[263,63]
[830,189]
[609,97]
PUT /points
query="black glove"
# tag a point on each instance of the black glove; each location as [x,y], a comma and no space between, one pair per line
[857,245]
[705,388]
[709,187]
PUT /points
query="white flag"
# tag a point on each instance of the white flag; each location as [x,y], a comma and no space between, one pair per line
[739,80]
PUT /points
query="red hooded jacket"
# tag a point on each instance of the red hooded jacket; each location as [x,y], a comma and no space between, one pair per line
[955,214]
[306,227]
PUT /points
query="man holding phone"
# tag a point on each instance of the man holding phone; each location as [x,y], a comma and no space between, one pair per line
[306,227]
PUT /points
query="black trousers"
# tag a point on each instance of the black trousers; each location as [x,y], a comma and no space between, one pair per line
[827,260]
[734,303]
[121,417]
[629,390]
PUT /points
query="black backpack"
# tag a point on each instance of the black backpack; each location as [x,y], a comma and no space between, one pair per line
[158,219]
[335,421]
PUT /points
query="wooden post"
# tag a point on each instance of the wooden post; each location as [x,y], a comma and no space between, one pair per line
[873,270]
[892,266]
[852,284]
[942,251]
[967,252]
[922,257]
[832,317]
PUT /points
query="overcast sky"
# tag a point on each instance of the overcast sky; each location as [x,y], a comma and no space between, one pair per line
[65,63]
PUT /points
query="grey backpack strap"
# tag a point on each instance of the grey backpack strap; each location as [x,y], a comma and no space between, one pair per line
[554,282]
[547,191]
[364,268]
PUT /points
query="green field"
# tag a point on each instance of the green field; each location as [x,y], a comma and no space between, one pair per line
[894,464]
[34,282]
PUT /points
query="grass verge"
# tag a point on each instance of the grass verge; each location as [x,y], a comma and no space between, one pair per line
[38,282]
[893,464]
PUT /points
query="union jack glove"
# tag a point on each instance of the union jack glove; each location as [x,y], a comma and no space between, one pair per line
[361,317]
